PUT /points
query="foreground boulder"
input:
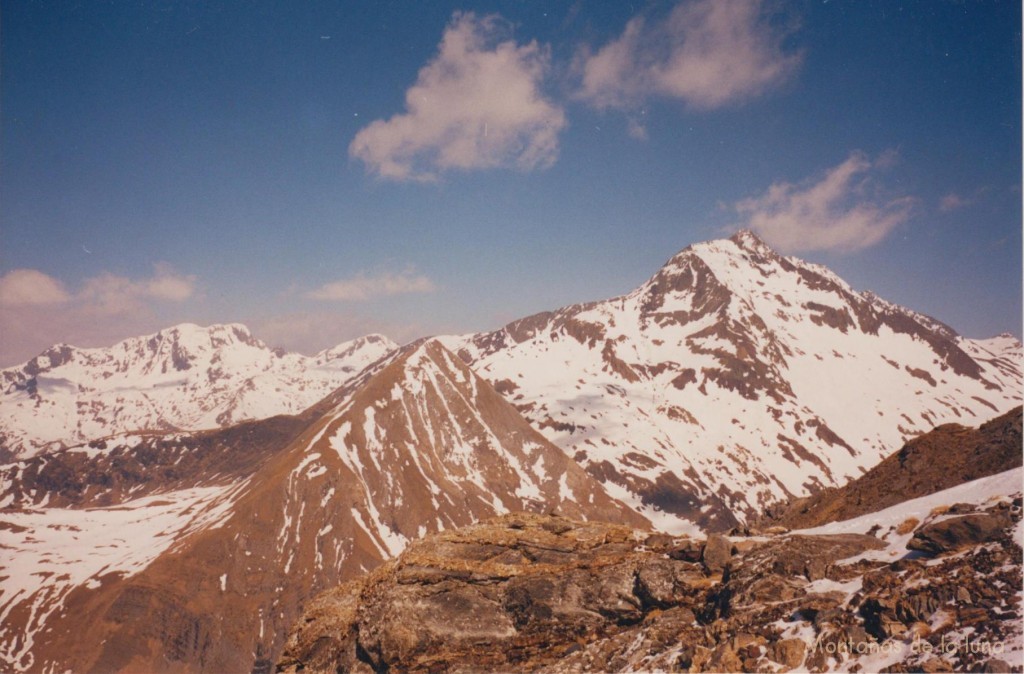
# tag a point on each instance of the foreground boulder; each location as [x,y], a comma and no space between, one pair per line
[960,532]
[521,591]
[534,593]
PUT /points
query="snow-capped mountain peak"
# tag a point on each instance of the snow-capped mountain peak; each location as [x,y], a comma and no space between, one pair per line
[346,350]
[736,376]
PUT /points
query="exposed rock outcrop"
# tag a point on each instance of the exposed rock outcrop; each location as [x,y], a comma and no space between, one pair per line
[534,593]
[955,533]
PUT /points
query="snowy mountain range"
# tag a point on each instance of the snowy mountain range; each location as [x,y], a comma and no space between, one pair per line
[182,378]
[735,378]
[170,503]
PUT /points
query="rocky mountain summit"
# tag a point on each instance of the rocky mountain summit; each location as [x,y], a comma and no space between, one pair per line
[536,593]
[735,378]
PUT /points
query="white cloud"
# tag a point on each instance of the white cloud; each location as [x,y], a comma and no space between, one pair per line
[952,202]
[843,211]
[104,293]
[707,53]
[362,287]
[30,287]
[476,105]
[166,284]
[109,293]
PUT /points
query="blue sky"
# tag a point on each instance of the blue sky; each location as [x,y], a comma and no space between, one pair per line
[321,170]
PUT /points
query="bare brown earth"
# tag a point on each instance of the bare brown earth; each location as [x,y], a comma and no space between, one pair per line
[945,457]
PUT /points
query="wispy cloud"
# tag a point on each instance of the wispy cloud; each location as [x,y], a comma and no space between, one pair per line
[953,202]
[478,104]
[110,293]
[845,210]
[707,53]
[104,293]
[362,287]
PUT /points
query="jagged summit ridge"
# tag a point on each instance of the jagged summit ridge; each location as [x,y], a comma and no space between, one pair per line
[181,378]
[735,377]
[175,347]
[349,348]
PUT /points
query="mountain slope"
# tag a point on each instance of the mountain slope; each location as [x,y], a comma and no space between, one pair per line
[940,459]
[181,378]
[211,577]
[735,378]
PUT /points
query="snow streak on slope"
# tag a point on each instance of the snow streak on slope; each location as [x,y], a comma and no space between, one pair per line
[736,377]
[182,378]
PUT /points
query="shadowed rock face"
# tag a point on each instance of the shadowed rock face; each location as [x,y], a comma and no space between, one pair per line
[945,457]
[960,532]
[533,593]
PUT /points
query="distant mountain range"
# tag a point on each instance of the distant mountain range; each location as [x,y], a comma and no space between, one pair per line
[172,502]
[182,378]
